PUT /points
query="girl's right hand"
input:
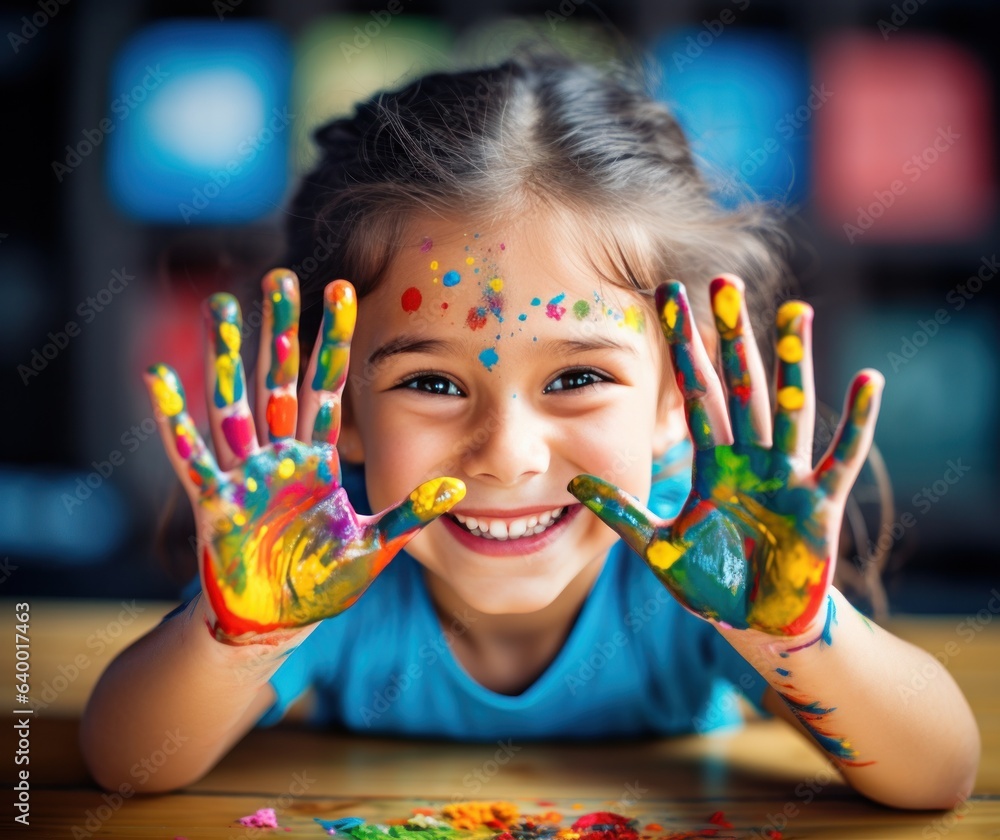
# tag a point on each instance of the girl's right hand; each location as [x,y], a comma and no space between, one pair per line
[279,545]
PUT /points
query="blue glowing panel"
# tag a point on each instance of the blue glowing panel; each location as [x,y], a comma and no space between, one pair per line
[199,122]
[746,105]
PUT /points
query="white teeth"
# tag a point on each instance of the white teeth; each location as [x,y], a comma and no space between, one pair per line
[498,529]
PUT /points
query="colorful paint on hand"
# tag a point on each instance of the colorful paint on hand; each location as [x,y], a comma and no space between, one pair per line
[751,546]
[280,545]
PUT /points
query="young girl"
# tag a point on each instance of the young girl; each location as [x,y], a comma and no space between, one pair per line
[504,231]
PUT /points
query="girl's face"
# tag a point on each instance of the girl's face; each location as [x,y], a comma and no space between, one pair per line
[498,357]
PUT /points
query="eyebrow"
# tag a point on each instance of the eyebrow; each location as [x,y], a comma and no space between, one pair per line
[404,344]
[585,345]
[409,344]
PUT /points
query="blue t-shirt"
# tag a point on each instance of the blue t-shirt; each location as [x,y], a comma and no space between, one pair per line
[634,664]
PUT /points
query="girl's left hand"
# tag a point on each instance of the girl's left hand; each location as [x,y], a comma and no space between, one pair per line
[754,545]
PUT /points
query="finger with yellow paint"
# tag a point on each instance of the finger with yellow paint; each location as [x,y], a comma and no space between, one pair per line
[278,364]
[746,382]
[795,397]
[839,467]
[229,418]
[188,454]
[704,402]
[319,418]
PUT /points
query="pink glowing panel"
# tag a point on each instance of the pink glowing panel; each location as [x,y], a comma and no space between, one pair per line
[904,144]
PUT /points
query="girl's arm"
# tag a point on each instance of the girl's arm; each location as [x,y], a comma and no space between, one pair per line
[850,687]
[753,551]
[279,545]
[177,692]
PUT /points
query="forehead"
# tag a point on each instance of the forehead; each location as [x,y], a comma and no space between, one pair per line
[530,279]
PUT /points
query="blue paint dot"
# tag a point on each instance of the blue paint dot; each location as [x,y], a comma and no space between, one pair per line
[489,357]
[475,271]
[558,298]
[451,278]
[523,316]
[536,301]
[782,671]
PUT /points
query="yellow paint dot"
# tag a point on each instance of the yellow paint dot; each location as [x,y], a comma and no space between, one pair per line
[670,310]
[791,398]
[634,319]
[790,349]
[470,260]
[437,496]
[230,335]
[663,554]
[434,265]
[276,297]
[170,402]
[726,305]
[252,485]
[239,519]
[286,468]
[790,311]
[496,284]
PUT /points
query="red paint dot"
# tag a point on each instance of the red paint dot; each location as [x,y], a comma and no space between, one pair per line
[412,299]
[444,305]
[476,319]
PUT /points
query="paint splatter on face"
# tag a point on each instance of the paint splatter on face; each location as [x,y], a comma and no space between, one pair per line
[553,309]
[581,309]
[411,299]
[451,278]
[426,245]
[489,358]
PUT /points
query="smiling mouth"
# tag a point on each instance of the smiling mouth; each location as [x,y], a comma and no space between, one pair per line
[502,530]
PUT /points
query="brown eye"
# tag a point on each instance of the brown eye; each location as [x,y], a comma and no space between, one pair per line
[430,384]
[574,380]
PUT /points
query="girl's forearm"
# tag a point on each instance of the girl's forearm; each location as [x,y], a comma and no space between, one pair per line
[842,683]
[173,703]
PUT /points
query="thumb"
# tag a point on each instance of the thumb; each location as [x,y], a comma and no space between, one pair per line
[400,523]
[623,513]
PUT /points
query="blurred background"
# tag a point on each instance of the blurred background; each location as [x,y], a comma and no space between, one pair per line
[152,145]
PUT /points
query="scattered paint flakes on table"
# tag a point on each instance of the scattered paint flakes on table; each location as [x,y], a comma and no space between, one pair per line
[262,818]
[501,820]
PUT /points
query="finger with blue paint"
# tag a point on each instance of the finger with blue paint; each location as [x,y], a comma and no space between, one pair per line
[753,546]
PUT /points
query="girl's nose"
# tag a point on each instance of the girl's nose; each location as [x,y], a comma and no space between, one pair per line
[510,445]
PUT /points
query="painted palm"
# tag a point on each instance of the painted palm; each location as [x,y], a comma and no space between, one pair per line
[279,544]
[754,543]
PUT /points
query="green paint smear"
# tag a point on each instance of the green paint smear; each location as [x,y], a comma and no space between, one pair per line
[581,309]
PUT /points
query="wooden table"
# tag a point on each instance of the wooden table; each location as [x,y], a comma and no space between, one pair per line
[762,777]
